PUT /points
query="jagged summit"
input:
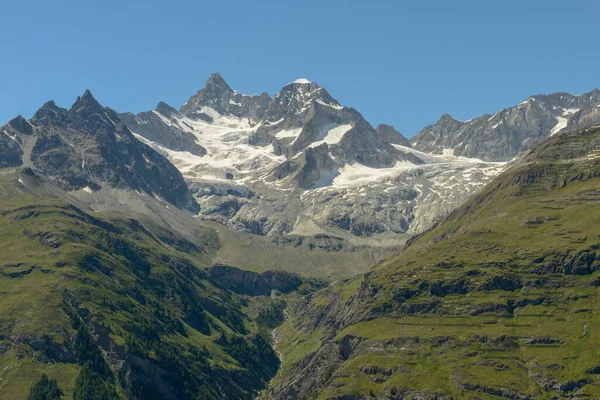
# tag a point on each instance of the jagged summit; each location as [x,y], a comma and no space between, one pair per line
[298,97]
[85,102]
[48,113]
[21,125]
[301,85]
[217,83]
[449,117]
[220,97]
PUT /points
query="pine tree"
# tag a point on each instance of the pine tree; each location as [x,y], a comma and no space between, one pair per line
[45,389]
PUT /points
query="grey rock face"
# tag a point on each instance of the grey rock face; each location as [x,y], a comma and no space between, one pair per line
[220,97]
[10,142]
[162,126]
[501,136]
[254,284]
[392,135]
[88,147]
[312,163]
[21,125]
[585,118]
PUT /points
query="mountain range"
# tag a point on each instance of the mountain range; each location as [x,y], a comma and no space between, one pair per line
[282,247]
[298,164]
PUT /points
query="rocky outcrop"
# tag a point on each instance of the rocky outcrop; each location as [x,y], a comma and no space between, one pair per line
[11,154]
[321,365]
[254,284]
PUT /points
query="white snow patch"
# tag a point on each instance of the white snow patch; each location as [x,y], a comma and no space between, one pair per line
[356,174]
[493,116]
[111,121]
[275,122]
[332,136]
[13,138]
[288,133]
[570,111]
[226,141]
[560,125]
[460,120]
[498,124]
[334,106]
[302,81]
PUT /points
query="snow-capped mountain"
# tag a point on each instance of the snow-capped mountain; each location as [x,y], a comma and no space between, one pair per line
[301,163]
[500,137]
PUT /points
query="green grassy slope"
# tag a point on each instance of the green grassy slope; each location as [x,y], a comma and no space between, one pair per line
[499,301]
[163,328]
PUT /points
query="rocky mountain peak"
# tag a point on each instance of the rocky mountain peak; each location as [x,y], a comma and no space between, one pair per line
[392,135]
[216,82]
[220,97]
[21,125]
[567,100]
[166,110]
[49,105]
[446,122]
[301,86]
[297,97]
[86,103]
[48,113]
[449,118]
[216,87]
[301,81]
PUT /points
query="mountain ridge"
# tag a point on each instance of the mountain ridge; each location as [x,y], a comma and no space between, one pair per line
[501,136]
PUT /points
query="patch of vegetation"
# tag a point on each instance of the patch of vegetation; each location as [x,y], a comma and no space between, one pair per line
[45,389]
[272,314]
[105,307]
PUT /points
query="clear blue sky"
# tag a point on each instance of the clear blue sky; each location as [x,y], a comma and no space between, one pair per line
[398,62]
